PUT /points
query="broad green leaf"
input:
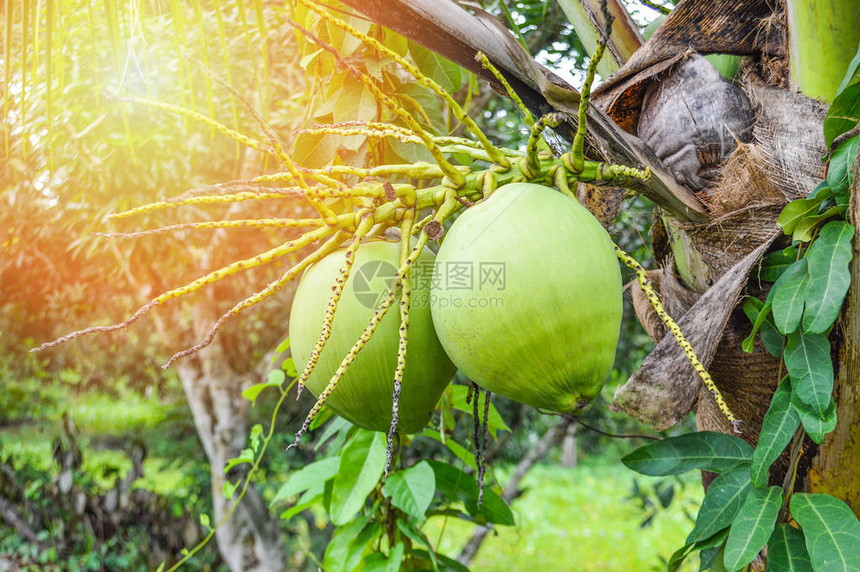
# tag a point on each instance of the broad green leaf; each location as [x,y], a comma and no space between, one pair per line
[455,485]
[338,426]
[289,367]
[786,551]
[840,172]
[760,315]
[460,451]
[721,504]
[711,559]
[780,423]
[354,103]
[302,505]
[361,466]
[414,534]
[312,476]
[831,530]
[358,546]
[313,150]
[807,359]
[338,547]
[282,347]
[494,421]
[378,562]
[816,426]
[412,490]
[775,263]
[844,112]
[752,526]
[706,450]
[829,277]
[796,211]
[806,228]
[246,456]
[822,190]
[253,392]
[789,295]
[679,556]
[444,563]
[444,72]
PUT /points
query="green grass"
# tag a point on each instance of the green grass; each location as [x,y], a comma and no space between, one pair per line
[577,519]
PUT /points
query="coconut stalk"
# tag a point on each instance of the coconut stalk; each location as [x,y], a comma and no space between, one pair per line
[823,37]
[588,21]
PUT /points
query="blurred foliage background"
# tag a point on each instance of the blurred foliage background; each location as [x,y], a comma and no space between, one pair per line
[75,149]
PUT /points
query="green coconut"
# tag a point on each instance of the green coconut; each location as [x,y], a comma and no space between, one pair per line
[527,298]
[364,394]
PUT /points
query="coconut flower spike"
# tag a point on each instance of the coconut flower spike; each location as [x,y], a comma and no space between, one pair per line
[645,285]
[216,224]
[337,291]
[215,276]
[330,246]
[405,295]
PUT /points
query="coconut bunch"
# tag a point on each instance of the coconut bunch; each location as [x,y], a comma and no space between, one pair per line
[549,338]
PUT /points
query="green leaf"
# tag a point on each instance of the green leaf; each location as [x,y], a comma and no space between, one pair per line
[721,503]
[338,548]
[312,476]
[831,530]
[829,276]
[445,564]
[716,560]
[282,347]
[780,423]
[494,421]
[844,112]
[460,451]
[361,464]
[775,263]
[706,450]
[786,551]
[807,359]
[229,489]
[251,393]
[796,211]
[246,456]
[752,526]
[455,485]
[288,366]
[417,537]
[338,426]
[378,562]
[815,426]
[444,72]
[840,172]
[358,546]
[412,490]
[806,228]
[789,295]
[760,315]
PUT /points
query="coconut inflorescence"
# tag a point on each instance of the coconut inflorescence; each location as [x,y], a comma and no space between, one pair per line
[364,394]
[527,298]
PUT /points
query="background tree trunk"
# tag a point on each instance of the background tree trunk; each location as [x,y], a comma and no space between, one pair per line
[250,540]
